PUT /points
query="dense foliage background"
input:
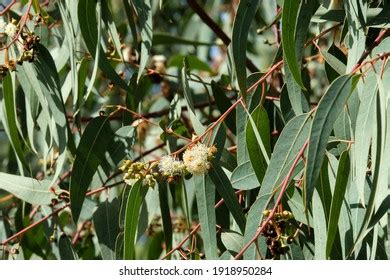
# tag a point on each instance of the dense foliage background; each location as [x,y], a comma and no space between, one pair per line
[194,129]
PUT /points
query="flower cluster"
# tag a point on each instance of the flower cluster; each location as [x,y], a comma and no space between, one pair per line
[196,160]
[135,171]
[171,167]
[10,29]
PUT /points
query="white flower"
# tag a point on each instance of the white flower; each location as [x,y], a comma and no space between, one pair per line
[171,167]
[196,159]
[2,24]
[10,30]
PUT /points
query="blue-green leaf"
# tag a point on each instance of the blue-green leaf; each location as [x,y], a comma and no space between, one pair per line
[205,199]
[29,189]
[245,13]
[329,108]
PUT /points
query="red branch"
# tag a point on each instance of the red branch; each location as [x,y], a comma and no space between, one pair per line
[278,200]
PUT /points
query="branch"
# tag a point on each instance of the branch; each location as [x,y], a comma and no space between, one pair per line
[278,200]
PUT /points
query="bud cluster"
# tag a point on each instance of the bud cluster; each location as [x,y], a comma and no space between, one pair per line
[134,171]
[279,232]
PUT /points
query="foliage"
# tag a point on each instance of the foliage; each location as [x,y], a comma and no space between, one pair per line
[195,129]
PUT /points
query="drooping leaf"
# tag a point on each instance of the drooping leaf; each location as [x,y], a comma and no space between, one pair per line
[289,29]
[294,33]
[226,191]
[88,23]
[9,120]
[165,215]
[205,199]
[258,141]
[337,200]
[145,15]
[67,252]
[106,223]
[90,152]
[223,103]
[133,207]
[245,13]
[328,110]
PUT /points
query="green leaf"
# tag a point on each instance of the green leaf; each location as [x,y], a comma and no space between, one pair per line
[165,214]
[29,189]
[299,32]
[205,199]
[258,141]
[8,116]
[225,190]
[133,208]
[245,13]
[144,12]
[329,108]
[337,200]
[67,252]
[244,177]
[88,26]
[106,222]
[90,153]
[289,28]
[253,101]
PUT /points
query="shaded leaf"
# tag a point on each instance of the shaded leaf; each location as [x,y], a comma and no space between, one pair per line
[133,208]
[90,153]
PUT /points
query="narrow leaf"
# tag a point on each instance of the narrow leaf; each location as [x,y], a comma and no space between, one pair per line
[328,110]
[337,200]
[245,13]
[90,152]
[133,208]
